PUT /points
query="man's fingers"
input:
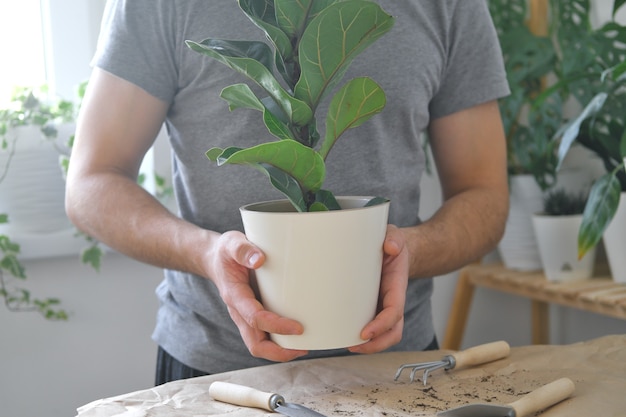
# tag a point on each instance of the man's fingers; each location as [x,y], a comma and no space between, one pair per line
[244,252]
[394,241]
[386,339]
[257,341]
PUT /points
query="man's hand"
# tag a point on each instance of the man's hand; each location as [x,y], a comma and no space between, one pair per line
[386,328]
[232,263]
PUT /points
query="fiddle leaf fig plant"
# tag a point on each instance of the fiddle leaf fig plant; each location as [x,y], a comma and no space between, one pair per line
[313,44]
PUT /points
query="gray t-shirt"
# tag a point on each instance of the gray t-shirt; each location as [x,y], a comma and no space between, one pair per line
[442,56]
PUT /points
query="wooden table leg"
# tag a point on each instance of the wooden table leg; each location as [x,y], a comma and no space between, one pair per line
[461,303]
[540,323]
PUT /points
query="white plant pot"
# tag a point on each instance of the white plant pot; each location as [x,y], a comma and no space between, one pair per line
[557,239]
[322,269]
[33,191]
[518,247]
[614,239]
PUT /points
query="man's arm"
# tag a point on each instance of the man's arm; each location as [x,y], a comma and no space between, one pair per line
[469,150]
[470,153]
[117,125]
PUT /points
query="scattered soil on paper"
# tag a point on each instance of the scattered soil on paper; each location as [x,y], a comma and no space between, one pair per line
[400,399]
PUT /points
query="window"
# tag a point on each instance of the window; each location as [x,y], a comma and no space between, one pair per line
[22,46]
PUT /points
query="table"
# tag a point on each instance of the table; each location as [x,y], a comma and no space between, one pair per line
[599,295]
[363,385]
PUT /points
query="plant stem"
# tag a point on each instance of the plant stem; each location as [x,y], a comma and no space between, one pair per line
[10,155]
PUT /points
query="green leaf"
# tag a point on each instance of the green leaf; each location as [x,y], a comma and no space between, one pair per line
[8,246]
[276,127]
[617,71]
[599,211]
[617,4]
[317,206]
[241,96]
[92,256]
[376,201]
[4,218]
[263,15]
[253,59]
[214,153]
[327,199]
[572,129]
[294,15]
[286,184]
[259,10]
[11,264]
[508,14]
[64,163]
[355,103]
[345,28]
[299,161]
[622,144]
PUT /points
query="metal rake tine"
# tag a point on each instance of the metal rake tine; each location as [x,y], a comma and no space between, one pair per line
[431,369]
[416,367]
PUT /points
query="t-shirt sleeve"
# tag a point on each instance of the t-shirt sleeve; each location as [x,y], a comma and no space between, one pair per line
[137,43]
[474,71]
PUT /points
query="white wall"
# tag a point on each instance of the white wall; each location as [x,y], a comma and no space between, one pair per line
[104,349]
[50,368]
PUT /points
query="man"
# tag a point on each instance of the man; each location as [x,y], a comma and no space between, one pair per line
[441,69]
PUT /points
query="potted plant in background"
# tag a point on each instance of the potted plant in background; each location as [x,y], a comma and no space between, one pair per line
[600,87]
[558,43]
[310,55]
[601,127]
[530,48]
[33,131]
[556,228]
[36,137]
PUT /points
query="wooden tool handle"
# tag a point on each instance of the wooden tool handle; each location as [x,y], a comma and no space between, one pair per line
[544,397]
[481,354]
[244,396]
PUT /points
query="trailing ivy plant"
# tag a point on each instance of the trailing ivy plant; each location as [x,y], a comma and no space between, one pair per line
[28,106]
[17,298]
[312,44]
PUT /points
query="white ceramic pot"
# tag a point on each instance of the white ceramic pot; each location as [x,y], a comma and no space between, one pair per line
[33,190]
[518,247]
[557,239]
[614,239]
[322,269]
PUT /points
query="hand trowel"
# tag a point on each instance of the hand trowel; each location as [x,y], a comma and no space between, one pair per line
[250,397]
[537,400]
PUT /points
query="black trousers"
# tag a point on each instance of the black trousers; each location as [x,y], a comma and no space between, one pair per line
[170,369]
